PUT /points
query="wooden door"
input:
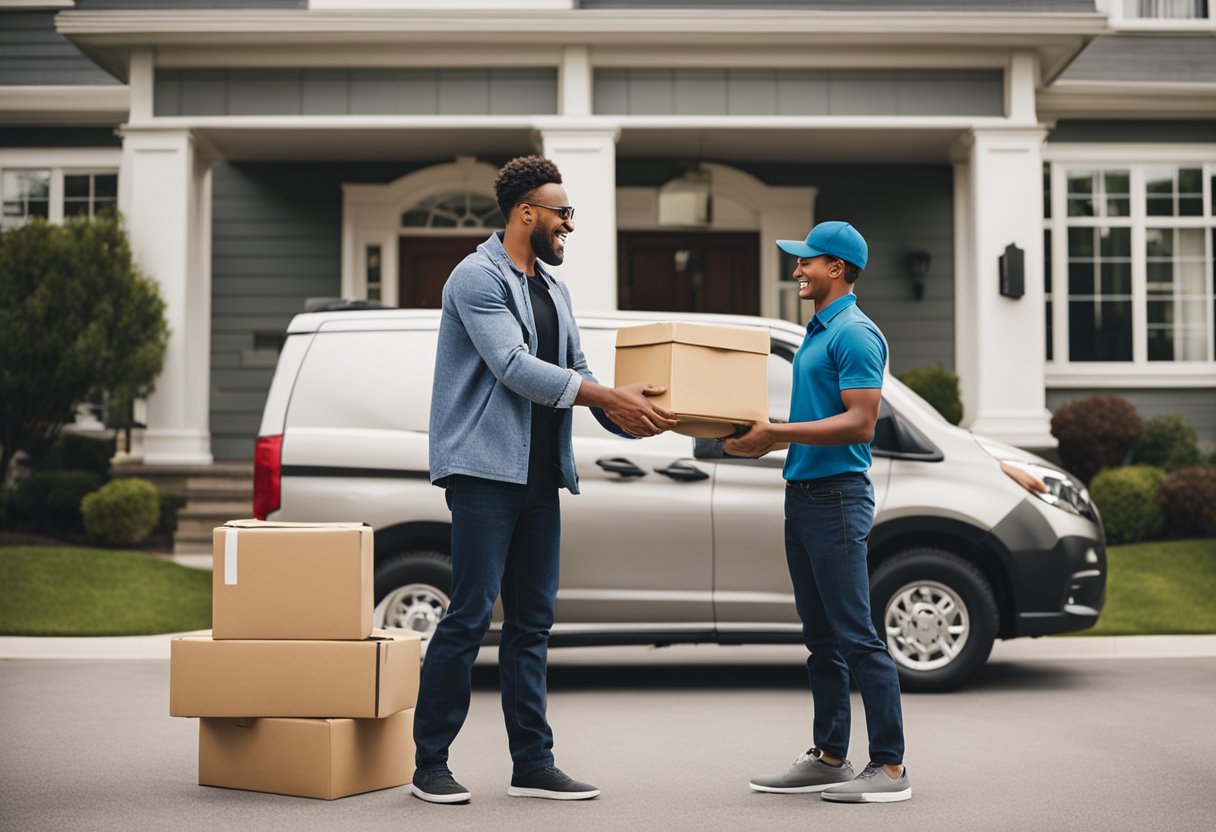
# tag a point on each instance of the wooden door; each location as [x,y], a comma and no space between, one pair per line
[693,271]
[423,266]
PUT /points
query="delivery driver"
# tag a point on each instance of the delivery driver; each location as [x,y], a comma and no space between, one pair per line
[508,370]
[829,509]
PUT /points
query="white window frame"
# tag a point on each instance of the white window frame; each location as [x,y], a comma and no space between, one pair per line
[1139,372]
[60,161]
[1120,21]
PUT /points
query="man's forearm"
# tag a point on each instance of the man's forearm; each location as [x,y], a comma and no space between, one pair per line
[591,394]
[842,429]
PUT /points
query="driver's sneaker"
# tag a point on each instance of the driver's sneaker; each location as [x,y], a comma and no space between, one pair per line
[438,787]
[552,783]
[873,785]
[808,773]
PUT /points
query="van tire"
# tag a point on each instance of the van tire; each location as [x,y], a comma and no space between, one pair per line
[926,591]
[413,589]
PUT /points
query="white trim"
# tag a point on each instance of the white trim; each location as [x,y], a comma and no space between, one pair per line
[1126,99]
[827,57]
[1150,375]
[141,75]
[77,104]
[354,56]
[1127,153]
[1120,22]
[440,5]
[109,158]
[7,5]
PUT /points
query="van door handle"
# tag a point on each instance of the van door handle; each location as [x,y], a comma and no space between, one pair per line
[682,471]
[620,465]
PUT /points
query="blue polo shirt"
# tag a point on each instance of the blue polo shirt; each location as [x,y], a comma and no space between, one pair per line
[843,350]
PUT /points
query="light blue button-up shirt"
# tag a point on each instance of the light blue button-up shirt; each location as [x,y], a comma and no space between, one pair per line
[487,374]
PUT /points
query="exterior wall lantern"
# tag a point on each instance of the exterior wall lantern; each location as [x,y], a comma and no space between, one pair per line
[918,270]
[1013,272]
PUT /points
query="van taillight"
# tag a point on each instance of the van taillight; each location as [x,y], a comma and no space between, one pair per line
[267,457]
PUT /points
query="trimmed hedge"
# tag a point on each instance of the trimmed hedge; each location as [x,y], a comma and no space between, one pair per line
[48,502]
[73,452]
[1129,500]
[1188,497]
[1169,442]
[939,388]
[121,513]
[1095,433]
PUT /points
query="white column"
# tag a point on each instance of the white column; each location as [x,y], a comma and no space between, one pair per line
[587,160]
[999,341]
[574,82]
[165,197]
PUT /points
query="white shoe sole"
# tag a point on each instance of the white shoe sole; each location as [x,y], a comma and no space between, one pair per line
[871,797]
[551,795]
[460,797]
[794,789]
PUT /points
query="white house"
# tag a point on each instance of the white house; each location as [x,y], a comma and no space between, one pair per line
[1035,177]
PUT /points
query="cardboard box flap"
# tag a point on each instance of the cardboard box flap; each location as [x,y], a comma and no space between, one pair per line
[715,336]
[276,524]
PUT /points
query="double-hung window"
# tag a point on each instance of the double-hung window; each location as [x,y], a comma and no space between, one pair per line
[1129,268]
[54,191]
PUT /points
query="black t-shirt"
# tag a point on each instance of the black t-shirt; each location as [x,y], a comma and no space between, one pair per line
[542,460]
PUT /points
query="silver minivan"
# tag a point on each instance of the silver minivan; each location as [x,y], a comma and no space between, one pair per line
[669,542]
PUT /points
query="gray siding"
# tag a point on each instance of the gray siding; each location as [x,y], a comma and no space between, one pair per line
[1160,60]
[899,209]
[1197,405]
[1165,131]
[219,92]
[797,92]
[33,54]
[276,241]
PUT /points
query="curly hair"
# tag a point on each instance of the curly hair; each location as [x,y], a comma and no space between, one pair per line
[519,177]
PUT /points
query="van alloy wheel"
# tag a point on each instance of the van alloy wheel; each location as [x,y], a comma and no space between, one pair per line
[416,607]
[927,625]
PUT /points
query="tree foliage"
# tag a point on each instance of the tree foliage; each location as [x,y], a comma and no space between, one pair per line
[76,317]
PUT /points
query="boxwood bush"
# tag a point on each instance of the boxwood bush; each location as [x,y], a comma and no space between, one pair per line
[1095,433]
[48,502]
[1188,498]
[1169,442]
[939,388]
[121,513]
[1129,500]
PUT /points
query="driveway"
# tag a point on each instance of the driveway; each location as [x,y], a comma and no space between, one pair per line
[671,736]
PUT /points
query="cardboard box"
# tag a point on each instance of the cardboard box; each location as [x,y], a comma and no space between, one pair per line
[325,758]
[292,580]
[716,376]
[372,678]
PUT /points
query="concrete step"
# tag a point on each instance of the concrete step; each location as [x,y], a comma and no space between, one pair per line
[225,489]
[221,510]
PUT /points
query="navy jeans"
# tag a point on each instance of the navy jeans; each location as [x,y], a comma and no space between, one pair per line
[505,539]
[826,528]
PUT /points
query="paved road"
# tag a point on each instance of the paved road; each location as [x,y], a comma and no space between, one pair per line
[671,736]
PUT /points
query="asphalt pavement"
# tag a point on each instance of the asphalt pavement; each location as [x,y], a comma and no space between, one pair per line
[1073,738]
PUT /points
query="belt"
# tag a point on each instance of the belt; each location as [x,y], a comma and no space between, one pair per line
[806,485]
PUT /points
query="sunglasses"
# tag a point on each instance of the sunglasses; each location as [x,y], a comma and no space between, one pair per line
[564,212]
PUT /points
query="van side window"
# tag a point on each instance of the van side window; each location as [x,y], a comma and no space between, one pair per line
[366,381]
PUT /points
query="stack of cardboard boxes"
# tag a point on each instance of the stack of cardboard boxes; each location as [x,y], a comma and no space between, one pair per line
[296,693]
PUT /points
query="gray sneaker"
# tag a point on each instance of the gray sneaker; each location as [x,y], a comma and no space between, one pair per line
[806,774]
[873,785]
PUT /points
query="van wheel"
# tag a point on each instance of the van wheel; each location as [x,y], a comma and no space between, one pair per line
[412,592]
[937,615]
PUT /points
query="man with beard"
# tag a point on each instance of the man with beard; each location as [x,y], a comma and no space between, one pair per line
[507,372]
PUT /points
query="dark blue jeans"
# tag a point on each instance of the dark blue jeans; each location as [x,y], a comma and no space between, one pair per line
[826,527]
[505,539]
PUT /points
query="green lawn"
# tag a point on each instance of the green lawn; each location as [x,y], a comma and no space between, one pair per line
[1160,587]
[72,591]
[1153,588]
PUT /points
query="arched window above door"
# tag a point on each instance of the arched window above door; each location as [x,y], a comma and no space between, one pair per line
[462,211]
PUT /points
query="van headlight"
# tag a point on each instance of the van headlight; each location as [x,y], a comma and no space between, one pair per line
[1051,486]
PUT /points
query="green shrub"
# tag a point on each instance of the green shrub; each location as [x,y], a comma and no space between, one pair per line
[1129,500]
[939,388]
[73,452]
[121,513]
[1188,497]
[1169,442]
[4,500]
[1095,433]
[48,502]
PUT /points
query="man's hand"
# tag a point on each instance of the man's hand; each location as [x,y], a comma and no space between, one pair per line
[759,440]
[630,408]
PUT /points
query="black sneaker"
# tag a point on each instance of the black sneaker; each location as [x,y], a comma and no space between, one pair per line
[438,787]
[551,783]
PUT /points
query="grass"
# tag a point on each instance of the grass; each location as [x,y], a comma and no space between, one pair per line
[1152,588]
[77,591]
[1160,588]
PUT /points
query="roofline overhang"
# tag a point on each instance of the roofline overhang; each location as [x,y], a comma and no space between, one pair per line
[1125,99]
[107,37]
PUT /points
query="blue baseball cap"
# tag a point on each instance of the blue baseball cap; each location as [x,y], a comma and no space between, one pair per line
[839,239]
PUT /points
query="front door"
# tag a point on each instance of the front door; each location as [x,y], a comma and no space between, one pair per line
[694,271]
[423,266]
